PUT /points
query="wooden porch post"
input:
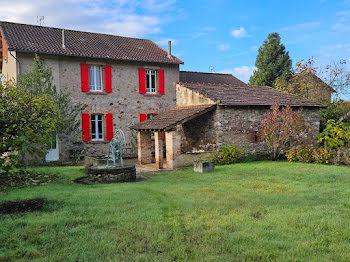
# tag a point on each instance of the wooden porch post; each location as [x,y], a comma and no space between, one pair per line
[158,145]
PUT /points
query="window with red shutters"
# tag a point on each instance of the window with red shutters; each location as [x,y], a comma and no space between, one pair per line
[84,70]
[142,81]
[143,117]
[85,121]
[108,79]
[161,81]
[109,126]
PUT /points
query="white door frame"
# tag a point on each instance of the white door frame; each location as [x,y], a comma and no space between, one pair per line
[53,153]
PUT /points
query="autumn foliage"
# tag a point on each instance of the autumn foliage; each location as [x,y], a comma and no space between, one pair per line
[282,128]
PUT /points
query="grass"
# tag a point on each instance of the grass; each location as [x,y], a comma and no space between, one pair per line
[260,211]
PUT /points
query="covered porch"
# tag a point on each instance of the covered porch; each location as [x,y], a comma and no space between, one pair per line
[164,130]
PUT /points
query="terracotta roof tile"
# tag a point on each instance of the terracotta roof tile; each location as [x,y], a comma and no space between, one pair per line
[173,116]
[48,40]
[248,95]
[209,78]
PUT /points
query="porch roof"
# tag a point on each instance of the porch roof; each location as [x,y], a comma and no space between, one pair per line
[172,117]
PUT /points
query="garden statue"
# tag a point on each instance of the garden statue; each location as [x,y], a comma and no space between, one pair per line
[116,148]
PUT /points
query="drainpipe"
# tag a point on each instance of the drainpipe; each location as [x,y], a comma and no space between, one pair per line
[18,67]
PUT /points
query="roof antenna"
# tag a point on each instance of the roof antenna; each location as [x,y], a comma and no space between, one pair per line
[63,40]
[40,19]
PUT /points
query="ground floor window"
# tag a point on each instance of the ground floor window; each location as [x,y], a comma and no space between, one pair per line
[97,127]
[150,116]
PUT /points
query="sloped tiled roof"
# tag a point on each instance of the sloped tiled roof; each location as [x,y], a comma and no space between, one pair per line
[209,78]
[248,95]
[310,79]
[48,40]
[173,116]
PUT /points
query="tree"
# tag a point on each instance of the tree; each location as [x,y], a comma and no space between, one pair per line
[281,128]
[39,80]
[272,62]
[31,110]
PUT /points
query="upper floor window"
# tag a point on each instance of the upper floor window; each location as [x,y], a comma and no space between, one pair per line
[151,81]
[97,127]
[95,78]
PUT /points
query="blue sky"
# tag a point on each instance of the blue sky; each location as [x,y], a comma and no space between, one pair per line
[219,35]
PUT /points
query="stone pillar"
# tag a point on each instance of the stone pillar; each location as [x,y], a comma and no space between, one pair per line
[173,148]
[144,147]
[158,146]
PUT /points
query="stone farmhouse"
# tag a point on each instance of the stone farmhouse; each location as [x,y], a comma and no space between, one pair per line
[133,84]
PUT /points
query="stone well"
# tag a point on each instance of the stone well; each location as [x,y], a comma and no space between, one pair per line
[104,174]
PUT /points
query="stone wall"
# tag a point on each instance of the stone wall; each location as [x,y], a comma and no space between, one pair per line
[124,102]
[236,126]
[199,133]
[188,97]
[239,125]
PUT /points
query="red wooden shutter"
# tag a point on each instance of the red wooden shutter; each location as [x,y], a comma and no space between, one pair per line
[84,69]
[85,122]
[108,79]
[109,126]
[142,80]
[161,81]
[143,117]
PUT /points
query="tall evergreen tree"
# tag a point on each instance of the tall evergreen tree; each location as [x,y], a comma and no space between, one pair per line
[272,62]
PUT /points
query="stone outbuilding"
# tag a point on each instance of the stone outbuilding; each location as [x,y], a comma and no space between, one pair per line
[209,116]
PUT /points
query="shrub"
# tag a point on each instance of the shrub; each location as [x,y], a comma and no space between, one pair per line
[228,155]
[302,154]
[335,135]
[341,157]
[282,127]
[321,155]
[292,154]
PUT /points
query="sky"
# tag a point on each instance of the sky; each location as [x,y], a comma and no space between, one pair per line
[219,36]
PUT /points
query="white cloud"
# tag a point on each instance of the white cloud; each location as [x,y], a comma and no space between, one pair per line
[336,51]
[239,33]
[243,73]
[203,31]
[129,18]
[164,42]
[223,47]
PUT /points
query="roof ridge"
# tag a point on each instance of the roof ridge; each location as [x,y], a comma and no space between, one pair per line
[206,73]
[211,84]
[193,106]
[79,31]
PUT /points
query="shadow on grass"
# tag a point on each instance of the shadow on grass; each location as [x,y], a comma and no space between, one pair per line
[29,205]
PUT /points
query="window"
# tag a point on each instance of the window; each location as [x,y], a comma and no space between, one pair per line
[151,81]
[150,116]
[255,136]
[96,127]
[95,78]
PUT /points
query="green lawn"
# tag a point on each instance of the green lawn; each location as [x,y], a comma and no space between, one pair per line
[260,211]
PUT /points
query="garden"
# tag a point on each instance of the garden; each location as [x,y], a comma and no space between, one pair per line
[256,211]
